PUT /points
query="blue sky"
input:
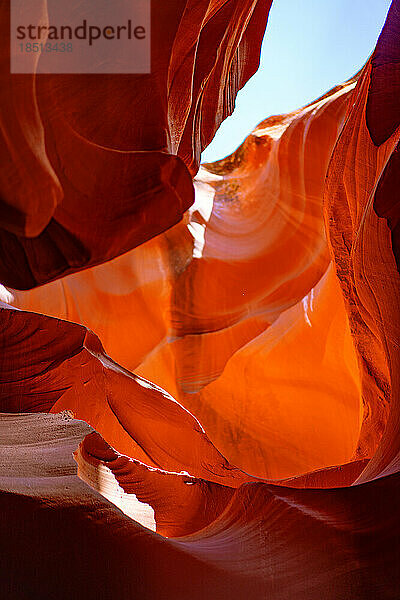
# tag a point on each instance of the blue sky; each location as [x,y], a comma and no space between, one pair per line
[309,46]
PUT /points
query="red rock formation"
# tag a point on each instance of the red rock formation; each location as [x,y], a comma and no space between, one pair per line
[297,379]
[361,217]
[269,541]
[89,171]
[244,265]
[51,365]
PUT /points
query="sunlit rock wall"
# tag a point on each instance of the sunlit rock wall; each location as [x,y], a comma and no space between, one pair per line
[215,412]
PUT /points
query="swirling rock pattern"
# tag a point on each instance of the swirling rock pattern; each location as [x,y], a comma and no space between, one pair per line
[270,467]
[362,215]
[248,266]
[89,169]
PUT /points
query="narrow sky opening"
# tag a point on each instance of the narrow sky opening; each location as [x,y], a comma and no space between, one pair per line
[309,47]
